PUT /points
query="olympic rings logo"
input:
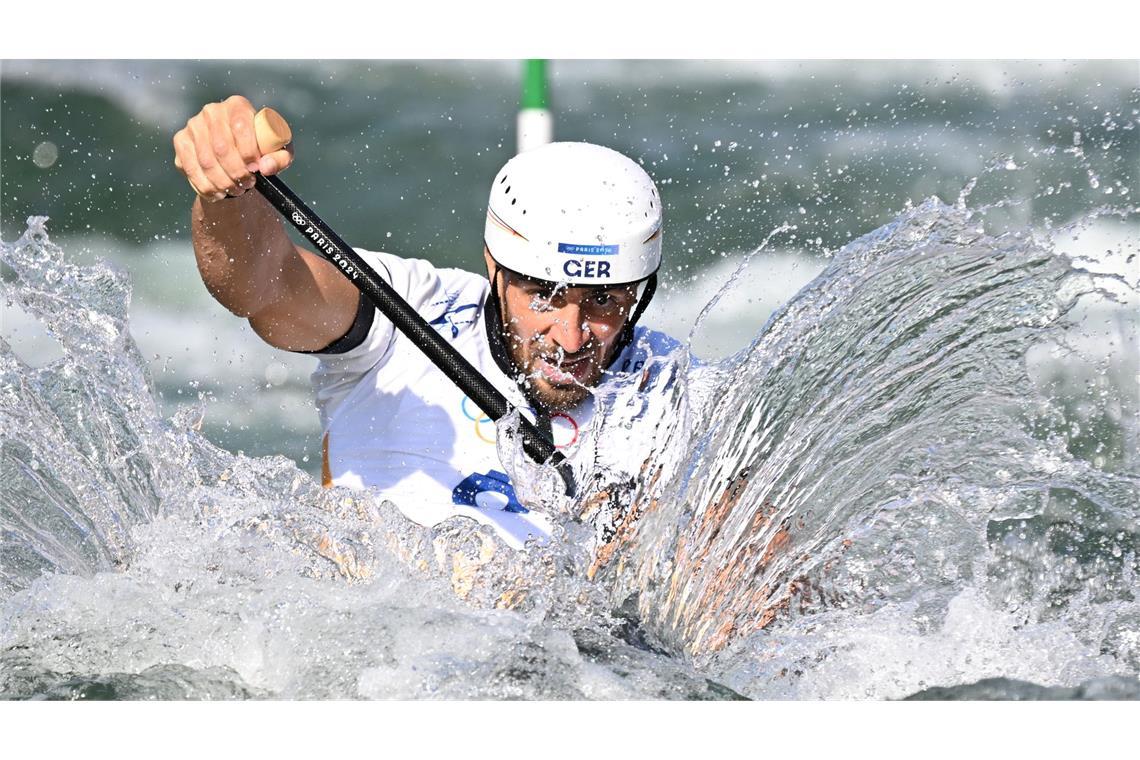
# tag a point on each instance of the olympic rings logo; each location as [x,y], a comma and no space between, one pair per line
[485,426]
[298,219]
[573,427]
[480,420]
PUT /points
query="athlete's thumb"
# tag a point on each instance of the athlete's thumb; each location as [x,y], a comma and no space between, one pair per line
[274,140]
[277,161]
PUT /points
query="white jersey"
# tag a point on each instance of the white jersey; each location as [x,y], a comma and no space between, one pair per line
[395,423]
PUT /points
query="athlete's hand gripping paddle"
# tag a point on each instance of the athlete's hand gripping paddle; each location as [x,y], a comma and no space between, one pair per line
[273,134]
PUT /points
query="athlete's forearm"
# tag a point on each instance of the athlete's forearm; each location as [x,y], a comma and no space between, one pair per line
[242,249]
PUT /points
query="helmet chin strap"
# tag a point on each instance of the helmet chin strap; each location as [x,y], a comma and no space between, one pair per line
[645,290]
[494,320]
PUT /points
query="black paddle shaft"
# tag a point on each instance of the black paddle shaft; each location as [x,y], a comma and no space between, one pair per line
[391,305]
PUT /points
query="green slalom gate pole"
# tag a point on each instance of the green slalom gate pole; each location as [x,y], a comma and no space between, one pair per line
[535,122]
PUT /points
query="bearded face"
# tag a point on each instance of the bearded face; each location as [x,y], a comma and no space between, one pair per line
[561,338]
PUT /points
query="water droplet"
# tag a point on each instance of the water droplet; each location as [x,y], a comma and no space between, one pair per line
[45,154]
[276,373]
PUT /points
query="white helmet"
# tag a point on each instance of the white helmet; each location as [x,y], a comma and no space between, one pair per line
[575,213]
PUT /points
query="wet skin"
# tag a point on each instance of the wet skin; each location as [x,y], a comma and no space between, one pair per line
[561,338]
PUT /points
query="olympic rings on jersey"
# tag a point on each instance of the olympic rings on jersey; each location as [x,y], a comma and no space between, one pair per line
[479,421]
[482,416]
[573,424]
[482,419]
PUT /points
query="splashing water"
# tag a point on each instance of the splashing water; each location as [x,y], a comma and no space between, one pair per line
[139,559]
[877,480]
[875,498]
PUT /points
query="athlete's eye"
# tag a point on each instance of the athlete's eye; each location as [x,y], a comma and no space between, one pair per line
[611,302]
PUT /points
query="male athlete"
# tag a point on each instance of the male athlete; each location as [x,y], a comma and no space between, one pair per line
[572,247]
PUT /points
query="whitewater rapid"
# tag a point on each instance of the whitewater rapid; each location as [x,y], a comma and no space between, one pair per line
[889,488]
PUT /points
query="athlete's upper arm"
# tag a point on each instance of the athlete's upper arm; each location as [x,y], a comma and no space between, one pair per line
[315,305]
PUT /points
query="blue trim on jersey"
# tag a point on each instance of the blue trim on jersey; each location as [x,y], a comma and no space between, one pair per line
[475,484]
[448,319]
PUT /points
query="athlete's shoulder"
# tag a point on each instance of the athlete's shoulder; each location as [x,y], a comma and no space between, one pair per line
[399,268]
[463,278]
[420,281]
[648,357]
[654,343]
[647,346]
[458,303]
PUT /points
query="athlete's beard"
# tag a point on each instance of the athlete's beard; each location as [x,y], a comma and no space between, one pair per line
[534,358]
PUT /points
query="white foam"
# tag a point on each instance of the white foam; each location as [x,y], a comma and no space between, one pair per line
[887,655]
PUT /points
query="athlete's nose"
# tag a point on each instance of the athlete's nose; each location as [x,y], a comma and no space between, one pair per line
[569,330]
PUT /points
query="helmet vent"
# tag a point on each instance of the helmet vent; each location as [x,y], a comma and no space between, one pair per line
[508,190]
[504,179]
